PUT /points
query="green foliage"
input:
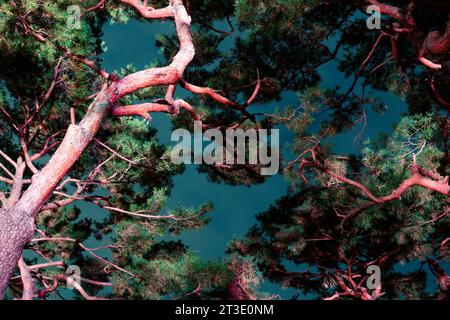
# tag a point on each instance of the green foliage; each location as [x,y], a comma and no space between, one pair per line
[306,230]
[164,273]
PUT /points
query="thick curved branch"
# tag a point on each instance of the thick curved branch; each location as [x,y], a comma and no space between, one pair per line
[420,177]
[149,12]
[437,43]
[143,109]
[433,43]
[79,136]
[416,179]
[165,75]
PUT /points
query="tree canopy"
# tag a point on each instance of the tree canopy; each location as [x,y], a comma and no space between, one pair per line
[74,133]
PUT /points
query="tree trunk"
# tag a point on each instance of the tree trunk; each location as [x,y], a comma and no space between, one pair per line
[17,223]
[16,229]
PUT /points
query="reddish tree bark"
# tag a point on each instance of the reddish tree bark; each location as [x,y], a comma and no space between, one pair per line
[20,209]
[17,218]
[432,43]
[420,177]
